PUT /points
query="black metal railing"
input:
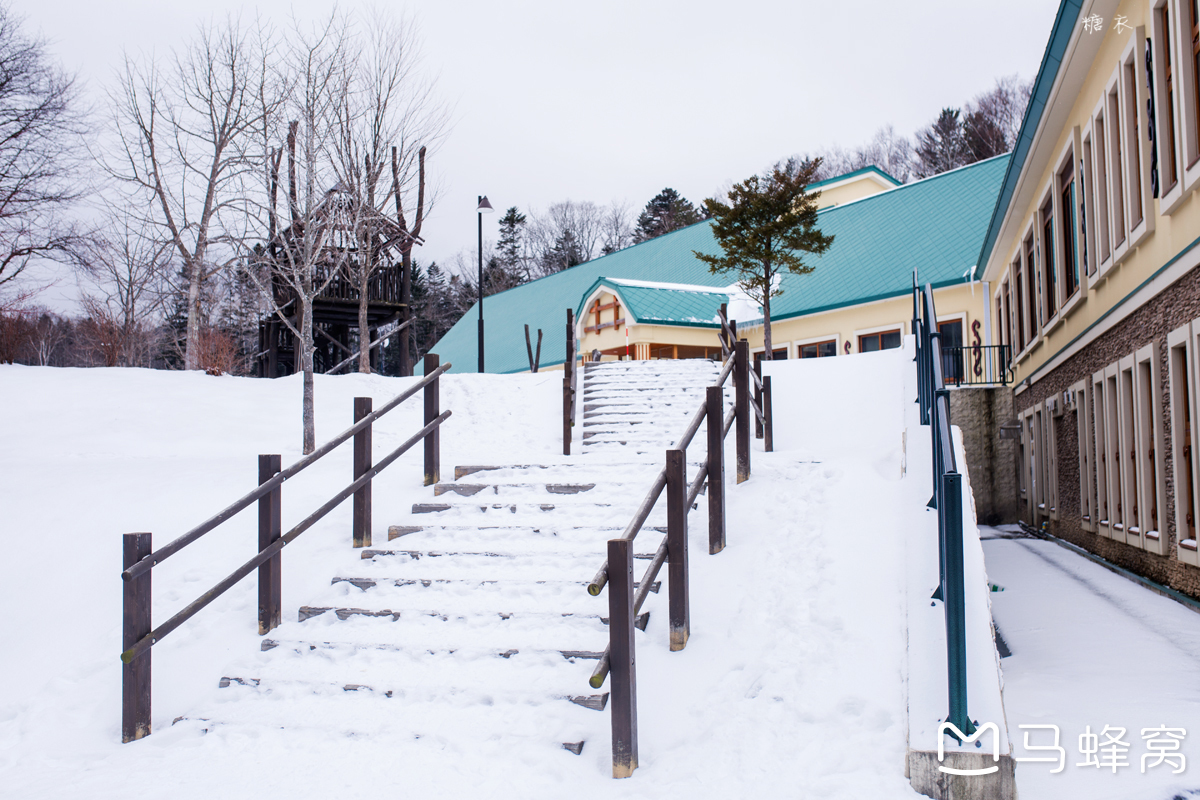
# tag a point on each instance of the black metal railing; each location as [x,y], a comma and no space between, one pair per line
[977,365]
[138,635]
[625,596]
[934,399]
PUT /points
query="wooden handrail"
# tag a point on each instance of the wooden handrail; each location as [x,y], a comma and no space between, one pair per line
[264,489]
[152,638]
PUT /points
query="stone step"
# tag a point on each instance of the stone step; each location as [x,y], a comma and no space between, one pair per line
[406,691]
[473,489]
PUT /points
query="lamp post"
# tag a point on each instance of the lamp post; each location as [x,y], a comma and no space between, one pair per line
[484,207]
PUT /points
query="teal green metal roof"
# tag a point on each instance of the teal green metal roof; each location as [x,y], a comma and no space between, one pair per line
[1056,47]
[664,304]
[935,226]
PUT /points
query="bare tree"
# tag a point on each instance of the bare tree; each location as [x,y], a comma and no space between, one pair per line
[304,257]
[39,152]
[566,234]
[121,278]
[387,104]
[186,141]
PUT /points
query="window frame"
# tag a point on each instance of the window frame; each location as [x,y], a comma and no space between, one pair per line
[878,331]
[1115,158]
[1166,103]
[1091,265]
[1149,444]
[1100,190]
[1134,123]
[1067,161]
[1181,368]
[1189,105]
[1129,476]
[1112,452]
[1100,454]
[1047,256]
[1081,392]
[800,345]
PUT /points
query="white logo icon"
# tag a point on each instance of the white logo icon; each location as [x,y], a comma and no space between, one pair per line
[951,728]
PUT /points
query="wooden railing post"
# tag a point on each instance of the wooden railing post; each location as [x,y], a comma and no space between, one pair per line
[741,387]
[768,417]
[362,465]
[715,400]
[270,528]
[569,383]
[622,669]
[135,675]
[677,554]
[758,400]
[433,440]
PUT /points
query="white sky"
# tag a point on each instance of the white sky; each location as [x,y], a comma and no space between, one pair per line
[616,100]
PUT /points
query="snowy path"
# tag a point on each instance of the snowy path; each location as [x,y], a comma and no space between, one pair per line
[1092,648]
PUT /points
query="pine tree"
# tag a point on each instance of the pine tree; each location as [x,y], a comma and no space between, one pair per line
[667,211]
[510,250]
[769,223]
[942,146]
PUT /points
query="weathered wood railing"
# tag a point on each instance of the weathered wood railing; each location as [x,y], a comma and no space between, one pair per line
[624,603]
[934,399]
[569,379]
[138,635]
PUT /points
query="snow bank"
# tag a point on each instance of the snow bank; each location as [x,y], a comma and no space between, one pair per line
[792,683]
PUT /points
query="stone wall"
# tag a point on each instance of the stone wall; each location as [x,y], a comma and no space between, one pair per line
[991,461]
[1172,308]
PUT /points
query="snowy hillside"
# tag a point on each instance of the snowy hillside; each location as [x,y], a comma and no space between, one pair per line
[791,683]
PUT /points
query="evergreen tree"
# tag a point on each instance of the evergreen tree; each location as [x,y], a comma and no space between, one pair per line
[942,146]
[511,250]
[667,211]
[769,223]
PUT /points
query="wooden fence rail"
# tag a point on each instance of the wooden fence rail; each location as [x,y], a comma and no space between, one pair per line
[138,634]
[618,660]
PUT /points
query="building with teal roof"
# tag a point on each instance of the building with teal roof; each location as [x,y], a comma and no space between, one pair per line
[657,300]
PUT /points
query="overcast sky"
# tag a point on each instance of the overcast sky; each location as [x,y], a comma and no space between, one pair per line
[616,100]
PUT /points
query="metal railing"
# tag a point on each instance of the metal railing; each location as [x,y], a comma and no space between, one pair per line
[934,399]
[977,365]
[138,635]
[625,596]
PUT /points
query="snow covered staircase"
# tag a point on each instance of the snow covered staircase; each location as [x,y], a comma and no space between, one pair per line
[639,407]
[471,627]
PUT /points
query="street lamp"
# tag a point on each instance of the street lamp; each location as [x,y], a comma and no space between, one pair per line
[484,207]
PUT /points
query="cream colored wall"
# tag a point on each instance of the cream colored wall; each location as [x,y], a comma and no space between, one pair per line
[1171,232]
[844,325]
[854,189]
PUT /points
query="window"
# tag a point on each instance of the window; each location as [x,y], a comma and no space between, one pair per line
[871,342]
[1189,40]
[1087,208]
[776,355]
[1100,192]
[1181,369]
[1148,450]
[1019,285]
[1128,473]
[1048,278]
[1165,83]
[819,349]
[1050,414]
[1132,144]
[1115,159]
[1100,453]
[1112,453]
[1082,393]
[1031,304]
[1069,255]
[950,335]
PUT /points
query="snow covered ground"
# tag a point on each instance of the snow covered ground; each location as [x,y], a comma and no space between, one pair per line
[792,684]
[1091,648]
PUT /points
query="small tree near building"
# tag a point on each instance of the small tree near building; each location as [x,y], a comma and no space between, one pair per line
[767,226]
